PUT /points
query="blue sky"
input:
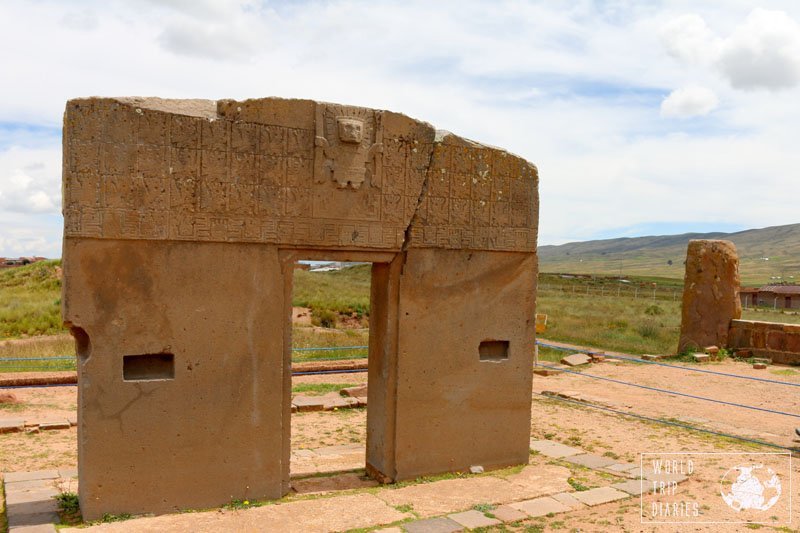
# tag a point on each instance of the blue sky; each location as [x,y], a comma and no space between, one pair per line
[643,117]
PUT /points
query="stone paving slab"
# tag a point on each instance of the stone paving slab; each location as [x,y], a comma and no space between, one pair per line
[41,528]
[16,520]
[308,403]
[569,500]
[634,487]
[473,519]
[623,467]
[27,496]
[11,425]
[433,525]
[540,506]
[507,513]
[320,515]
[448,495]
[67,473]
[54,424]
[13,477]
[590,460]
[600,496]
[554,449]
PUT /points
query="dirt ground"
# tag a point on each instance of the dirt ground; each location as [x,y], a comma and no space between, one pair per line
[615,436]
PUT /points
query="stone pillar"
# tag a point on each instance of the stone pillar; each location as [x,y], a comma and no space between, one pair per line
[710,294]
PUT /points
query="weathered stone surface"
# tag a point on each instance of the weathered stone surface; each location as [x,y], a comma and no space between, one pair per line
[710,294]
[507,513]
[701,358]
[767,341]
[554,449]
[11,425]
[576,359]
[542,371]
[182,222]
[433,525]
[540,506]
[634,487]
[759,366]
[12,477]
[599,496]
[359,391]
[568,499]
[308,403]
[473,519]
[651,357]
[54,424]
[590,460]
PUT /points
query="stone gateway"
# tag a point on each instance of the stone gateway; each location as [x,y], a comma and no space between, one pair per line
[182,222]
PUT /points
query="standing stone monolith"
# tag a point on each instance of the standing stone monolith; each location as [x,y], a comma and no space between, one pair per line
[710,294]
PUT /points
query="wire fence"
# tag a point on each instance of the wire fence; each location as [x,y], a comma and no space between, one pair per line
[62,363]
[619,290]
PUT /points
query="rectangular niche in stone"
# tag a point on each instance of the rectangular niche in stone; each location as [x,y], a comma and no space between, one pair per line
[150,366]
[493,350]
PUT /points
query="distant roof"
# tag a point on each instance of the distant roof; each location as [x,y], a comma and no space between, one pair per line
[782,289]
[749,289]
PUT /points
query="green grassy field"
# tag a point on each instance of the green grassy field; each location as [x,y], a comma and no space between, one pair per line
[30,299]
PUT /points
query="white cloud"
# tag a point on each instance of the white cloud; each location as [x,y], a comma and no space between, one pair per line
[689,101]
[764,53]
[761,53]
[30,180]
[688,38]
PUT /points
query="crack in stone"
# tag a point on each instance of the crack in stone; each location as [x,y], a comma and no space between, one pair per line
[422,193]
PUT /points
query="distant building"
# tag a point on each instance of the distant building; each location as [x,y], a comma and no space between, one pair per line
[9,262]
[776,296]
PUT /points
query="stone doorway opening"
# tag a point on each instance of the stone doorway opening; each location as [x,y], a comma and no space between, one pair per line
[331,432]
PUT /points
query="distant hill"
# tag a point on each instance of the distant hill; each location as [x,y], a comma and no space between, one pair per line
[763,253]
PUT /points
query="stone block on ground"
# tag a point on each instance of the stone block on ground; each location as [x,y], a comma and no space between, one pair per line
[576,359]
[547,371]
[433,525]
[597,357]
[600,496]
[360,390]
[507,513]
[634,487]
[308,403]
[590,460]
[336,401]
[48,425]
[554,449]
[11,425]
[473,519]
[540,506]
[759,366]
[652,357]
[701,358]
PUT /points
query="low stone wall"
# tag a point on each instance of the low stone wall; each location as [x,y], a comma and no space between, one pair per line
[779,342]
